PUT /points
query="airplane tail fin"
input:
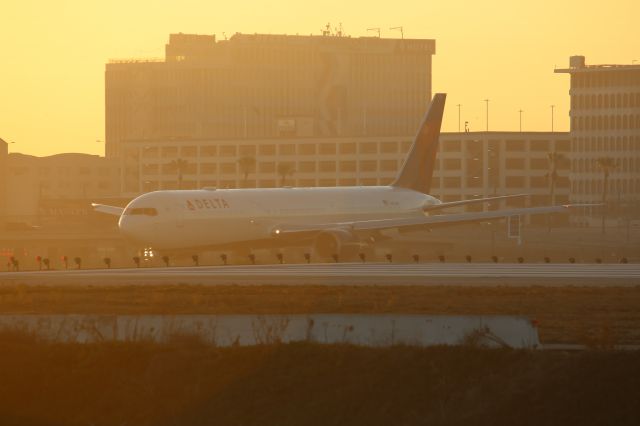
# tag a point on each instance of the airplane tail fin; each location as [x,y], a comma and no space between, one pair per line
[417,170]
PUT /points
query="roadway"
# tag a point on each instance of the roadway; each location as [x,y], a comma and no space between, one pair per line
[381,274]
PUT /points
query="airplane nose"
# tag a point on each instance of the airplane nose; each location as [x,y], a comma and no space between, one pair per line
[126,228]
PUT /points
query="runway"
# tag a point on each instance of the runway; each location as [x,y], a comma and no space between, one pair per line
[379,274]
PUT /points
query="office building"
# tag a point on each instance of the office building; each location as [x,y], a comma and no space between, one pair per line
[605,124]
[4,150]
[258,86]
[57,190]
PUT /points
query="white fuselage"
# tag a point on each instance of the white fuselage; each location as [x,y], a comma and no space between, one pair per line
[206,218]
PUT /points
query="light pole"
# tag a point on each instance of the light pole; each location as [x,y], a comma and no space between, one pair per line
[487,102]
[520,111]
[375,29]
[552,108]
[459,106]
[401,31]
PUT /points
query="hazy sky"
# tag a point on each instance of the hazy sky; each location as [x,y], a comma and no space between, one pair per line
[53,53]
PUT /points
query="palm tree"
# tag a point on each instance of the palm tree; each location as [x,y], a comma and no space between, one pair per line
[284,170]
[180,166]
[607,165]
[247,164]
[554,158]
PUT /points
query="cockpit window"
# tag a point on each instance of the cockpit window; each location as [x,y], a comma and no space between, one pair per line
[141,211]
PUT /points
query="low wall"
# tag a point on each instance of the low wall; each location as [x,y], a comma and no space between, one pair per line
[229,330]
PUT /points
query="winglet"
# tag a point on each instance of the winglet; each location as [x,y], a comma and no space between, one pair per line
[417,170]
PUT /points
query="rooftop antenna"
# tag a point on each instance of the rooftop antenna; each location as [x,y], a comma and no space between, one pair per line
[401,31]
[375,29]
[327,30]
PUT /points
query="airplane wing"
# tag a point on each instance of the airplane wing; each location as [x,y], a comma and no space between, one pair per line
[103,208]
[473,201]
[427,221]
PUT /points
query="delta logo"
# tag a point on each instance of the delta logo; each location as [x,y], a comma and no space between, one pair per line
[207,204]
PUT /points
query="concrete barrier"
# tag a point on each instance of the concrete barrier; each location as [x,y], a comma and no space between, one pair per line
[228,330]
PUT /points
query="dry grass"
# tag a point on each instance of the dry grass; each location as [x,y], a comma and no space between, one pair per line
[591,315]
[185,382]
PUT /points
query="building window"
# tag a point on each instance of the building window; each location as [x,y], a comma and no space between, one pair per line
[368,148]
[228,151]
[327,149]
[208,168]
[514,181]
[209,151]
[451,182]
[150,169]
[514,163]
[169,151]
[150,152]
[347,166]
[267,183]
[452,164]
[307,149]
[451,146]
[368,166]
[539,163]
[267,150]
[287,149]
[267,167]
[515,145]
[348,148]
[307,182]
[247,150]
[307,166]
[474,181]
[389,147]
[228,168]
[539,146]
[538,182]
[327,182]
[327,166]
[189,151]
[388,165]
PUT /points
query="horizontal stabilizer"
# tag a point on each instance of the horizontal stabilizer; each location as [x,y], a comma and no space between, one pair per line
[441,206]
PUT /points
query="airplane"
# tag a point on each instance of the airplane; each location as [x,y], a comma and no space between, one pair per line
[332,220]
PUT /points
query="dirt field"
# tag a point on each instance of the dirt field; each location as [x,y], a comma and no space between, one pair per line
[187,383]
[597,317]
